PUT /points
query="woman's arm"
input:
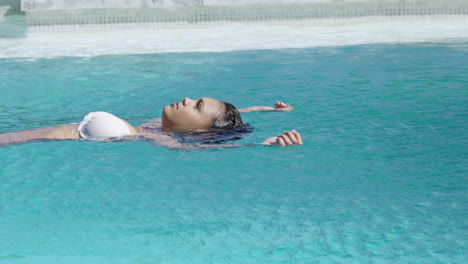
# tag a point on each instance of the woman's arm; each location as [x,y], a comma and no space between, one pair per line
[56,132]
[279,106]
[286,139]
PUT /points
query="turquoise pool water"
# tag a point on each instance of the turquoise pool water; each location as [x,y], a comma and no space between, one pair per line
[381,177]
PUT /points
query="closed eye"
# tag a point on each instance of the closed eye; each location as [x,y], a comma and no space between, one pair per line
[199,104]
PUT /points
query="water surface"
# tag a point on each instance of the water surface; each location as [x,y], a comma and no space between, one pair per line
[381,177]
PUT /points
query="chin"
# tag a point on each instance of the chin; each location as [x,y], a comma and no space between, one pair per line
[165,122]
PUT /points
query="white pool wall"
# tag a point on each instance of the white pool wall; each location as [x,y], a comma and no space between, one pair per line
[221,28]
[62,12]
[92,40]
[82,4]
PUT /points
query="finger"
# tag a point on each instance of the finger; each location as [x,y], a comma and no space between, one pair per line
[280,141]
[286,139]
[298,136]
[281,105]
[291,136]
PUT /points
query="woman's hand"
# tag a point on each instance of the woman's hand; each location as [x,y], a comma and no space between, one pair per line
[280,106]
[287,138]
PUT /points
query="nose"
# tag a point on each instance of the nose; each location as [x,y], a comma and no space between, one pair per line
[186,100]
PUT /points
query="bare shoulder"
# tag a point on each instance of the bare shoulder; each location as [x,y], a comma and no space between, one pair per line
[133,130]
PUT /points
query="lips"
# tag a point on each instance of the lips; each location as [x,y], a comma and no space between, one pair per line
[176,105]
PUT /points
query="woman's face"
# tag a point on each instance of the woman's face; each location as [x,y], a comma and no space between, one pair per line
[190,114]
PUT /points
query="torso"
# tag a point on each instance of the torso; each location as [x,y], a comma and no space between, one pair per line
[151,130]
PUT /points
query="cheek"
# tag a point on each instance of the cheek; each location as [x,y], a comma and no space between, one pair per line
[187,113]
[195,120]
[185,117]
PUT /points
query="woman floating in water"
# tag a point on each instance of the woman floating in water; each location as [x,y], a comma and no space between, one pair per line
[188,115]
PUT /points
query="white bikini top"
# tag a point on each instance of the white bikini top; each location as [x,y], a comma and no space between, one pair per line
[102,125]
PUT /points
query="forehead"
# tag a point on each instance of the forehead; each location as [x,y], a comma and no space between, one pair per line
[209,100]
[211,104]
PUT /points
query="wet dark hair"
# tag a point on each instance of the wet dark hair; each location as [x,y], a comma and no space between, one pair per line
[213,135]
[230,118]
